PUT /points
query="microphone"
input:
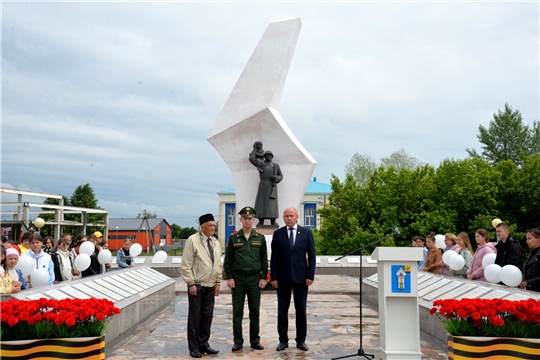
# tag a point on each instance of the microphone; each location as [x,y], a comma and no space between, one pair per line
[396,231]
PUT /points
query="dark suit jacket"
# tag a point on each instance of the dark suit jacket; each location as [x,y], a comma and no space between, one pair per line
[294,265]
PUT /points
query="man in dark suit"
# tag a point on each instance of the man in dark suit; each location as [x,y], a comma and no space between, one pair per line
[292,271]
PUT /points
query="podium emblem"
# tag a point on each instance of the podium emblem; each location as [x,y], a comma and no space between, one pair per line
[401,279]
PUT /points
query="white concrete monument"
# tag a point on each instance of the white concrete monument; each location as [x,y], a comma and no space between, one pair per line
[398,302]
[251,114]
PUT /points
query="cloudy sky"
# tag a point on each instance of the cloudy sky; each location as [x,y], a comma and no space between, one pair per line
[123,95]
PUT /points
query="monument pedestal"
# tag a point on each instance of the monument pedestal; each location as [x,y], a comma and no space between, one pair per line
[398,302]
[267,229]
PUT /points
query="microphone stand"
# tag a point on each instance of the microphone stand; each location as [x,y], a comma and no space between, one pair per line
[361,351]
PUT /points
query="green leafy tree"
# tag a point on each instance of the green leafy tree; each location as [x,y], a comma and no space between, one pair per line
[344,203]
[401,160]
[466,189]
[176,231]
[147,214]
[398,197]
[187,232]
[45,231]
[507,138]
[179,232]
[84,197]
[361,167]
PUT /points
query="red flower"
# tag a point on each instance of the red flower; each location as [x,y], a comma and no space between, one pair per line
[100,316]
[58,320]
[496,321]
[13,321]
[70,321]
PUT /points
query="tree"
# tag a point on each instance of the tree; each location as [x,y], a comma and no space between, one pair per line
[361,167]
[48,217]
[187,232]
[401,160]
[147,214]
[179,232]
[507,138]
[84,197]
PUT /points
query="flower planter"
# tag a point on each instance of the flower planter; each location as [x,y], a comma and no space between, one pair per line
[91,348]
[493,348]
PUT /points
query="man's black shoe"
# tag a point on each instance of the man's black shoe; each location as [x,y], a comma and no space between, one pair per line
[237,347]
[208,350]
[195,354]
[302,346]
[282,346]
[257,346]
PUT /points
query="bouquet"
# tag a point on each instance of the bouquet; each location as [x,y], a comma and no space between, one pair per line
[489,317]
[48,318]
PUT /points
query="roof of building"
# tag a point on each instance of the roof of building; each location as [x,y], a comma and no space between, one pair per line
[133,223]
[313,187]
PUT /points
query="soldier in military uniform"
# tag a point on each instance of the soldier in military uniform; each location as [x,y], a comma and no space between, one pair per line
[246,266]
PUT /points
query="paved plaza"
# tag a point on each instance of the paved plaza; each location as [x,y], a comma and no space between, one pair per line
[333,327]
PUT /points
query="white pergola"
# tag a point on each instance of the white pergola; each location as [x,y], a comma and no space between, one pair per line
[22,211]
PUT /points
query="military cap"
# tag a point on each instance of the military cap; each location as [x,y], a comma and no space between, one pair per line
[247,211]
[268,152]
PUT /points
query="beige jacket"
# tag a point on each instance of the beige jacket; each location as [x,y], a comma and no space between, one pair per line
[197,267]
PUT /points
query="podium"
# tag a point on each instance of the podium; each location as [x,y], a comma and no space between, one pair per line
[398,302]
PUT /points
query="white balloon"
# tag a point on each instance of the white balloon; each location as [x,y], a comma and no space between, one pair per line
[492,273]
[496,222]
[135,249]
[39,277]
[488,259]
[26,265]
[82,262]
[87,248]
[160,256]
[456,262]
[511,275]
[39,222]
[439,241]
[104,256]
[447,255]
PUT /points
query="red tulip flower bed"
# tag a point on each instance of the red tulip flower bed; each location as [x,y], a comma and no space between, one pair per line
[490,317]
[48,318]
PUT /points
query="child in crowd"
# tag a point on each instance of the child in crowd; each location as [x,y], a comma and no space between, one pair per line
[13,244]
[48,244]
[7,286]
[123,259]
[63,261]
[466,252]
[10,273]
[450,240]
[41,259]
[434,256]
[24,246]
[476,270]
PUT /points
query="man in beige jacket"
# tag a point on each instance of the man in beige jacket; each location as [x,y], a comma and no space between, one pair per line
[201,271]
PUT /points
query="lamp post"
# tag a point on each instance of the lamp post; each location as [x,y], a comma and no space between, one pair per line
[117,234]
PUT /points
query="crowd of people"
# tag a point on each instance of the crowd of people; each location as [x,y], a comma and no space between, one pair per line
[58,259]
[507,251]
